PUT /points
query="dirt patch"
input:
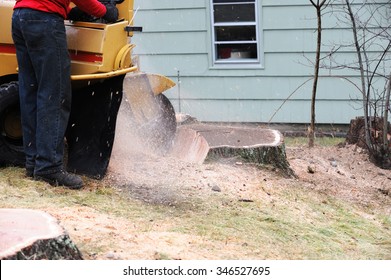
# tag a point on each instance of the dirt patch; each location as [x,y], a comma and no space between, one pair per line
[155,207]
[344,172]
[341,173]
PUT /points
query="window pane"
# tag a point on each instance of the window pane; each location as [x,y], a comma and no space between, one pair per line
[234,13]
[231,1]
[236,33]
[236,51]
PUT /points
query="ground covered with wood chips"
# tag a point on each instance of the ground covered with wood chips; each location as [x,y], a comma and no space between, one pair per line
[150,207]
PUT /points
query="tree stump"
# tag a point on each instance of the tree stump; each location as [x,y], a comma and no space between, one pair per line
[274,156]
[356,133]
[379,152]
[34,235]
[252,144]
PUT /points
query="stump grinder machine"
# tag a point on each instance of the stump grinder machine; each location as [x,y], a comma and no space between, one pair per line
[101,55]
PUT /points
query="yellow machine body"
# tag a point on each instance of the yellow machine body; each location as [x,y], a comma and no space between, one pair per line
[101,58]
[97,50]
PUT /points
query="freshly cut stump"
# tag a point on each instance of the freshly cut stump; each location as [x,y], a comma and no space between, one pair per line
[27,234]
[252,144]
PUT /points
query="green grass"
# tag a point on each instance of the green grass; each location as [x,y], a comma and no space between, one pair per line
[320,141]
[301,229]
[15,189]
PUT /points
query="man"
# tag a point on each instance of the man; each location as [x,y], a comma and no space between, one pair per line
[39,35]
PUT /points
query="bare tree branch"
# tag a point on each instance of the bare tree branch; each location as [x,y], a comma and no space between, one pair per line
[361,67]
[311,131]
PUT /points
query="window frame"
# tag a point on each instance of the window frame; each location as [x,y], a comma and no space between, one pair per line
[237,63]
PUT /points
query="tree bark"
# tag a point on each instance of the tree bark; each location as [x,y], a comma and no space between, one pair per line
[386,141]
[27,234]
[311,131]
[362,76]
[380,155]
[275,156]
[59,248]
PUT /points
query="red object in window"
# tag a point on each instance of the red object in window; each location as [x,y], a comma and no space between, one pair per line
[225,52]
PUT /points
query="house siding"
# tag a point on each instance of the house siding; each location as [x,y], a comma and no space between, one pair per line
[176,42]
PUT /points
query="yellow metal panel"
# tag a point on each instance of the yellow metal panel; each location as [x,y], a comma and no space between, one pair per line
[123,58]
[8,64]
[85,39]
[125,10]
[106,40]
[115,39]
[5,21]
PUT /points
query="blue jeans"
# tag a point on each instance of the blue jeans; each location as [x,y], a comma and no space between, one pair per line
[44,87]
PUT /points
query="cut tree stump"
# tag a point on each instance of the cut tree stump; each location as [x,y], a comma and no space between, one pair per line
[258,145]
[27,234]
[356,133]
[379,152]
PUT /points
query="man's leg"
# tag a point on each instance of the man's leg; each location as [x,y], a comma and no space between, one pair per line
[45,40]
[27,93]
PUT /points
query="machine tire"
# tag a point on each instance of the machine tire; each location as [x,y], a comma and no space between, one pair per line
[11,140]
[159,133]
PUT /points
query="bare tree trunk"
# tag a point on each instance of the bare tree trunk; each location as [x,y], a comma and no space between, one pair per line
[363,87]
[385,115]
[311,132]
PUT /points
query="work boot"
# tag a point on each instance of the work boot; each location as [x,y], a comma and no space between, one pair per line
[30,172]
[61,178]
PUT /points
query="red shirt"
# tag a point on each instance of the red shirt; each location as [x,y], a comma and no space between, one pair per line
[61,7]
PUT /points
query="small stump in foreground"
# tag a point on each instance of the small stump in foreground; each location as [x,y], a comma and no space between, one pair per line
[27,234]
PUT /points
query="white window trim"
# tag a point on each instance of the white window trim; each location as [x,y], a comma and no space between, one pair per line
[241,63]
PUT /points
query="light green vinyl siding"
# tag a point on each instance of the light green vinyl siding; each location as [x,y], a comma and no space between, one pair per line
[176,42]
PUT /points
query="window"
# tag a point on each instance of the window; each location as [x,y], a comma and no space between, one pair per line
[235,31]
